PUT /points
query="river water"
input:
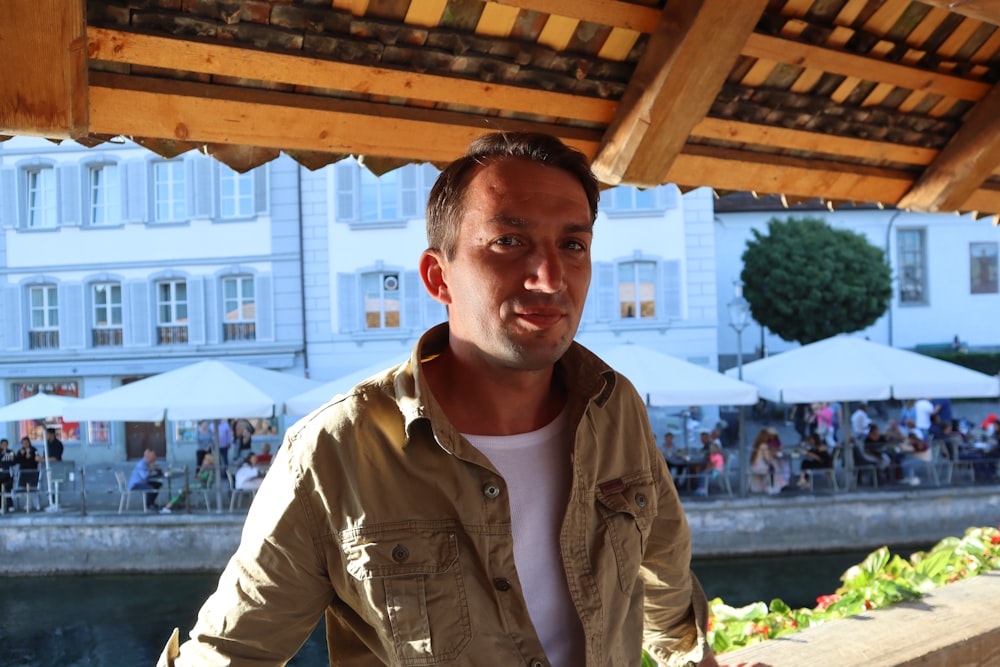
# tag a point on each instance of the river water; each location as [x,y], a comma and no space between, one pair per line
[116,621]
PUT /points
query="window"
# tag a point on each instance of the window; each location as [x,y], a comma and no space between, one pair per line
[912,266]
[169,191]
[625,200]
[35,428]
[382,302]
[105,193]
[238,309]
[236,193]
[44,305]
[637,290]
[172,312]
[107,300]
[41,199]
[394,196]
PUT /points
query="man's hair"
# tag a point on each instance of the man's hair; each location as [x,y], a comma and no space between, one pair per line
[446,203]
[50,431]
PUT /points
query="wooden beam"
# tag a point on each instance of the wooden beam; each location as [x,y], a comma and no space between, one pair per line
[218,59]
[682,69]
[861,67]
[801,140]
[987,11]
[43,89]
[603,12]
[213,114]
[963,165]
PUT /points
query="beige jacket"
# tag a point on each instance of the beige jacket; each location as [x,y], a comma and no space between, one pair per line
[378,513]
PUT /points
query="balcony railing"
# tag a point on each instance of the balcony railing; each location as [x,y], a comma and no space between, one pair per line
[106,337]
[43,340]
[171,335]
[239,331]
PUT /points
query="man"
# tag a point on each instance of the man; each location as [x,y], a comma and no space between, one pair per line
[496,500]
[54,445]
[923,409]
[26,459]
[144,478]
[860,421]
[225,439]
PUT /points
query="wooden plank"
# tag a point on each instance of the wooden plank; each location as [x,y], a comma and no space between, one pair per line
[962,166]
[214,114]
[684,65]
[987,11]
[604,12]
[557,33]
[861,67]
[43,90]
[618,44]
[801,140]
[772,174]
[426,13]
[496,20]
[136,49]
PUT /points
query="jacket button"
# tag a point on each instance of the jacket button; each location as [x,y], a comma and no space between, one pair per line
[400,553]
[640,499]
[502,584]
[537,663]
[491,491]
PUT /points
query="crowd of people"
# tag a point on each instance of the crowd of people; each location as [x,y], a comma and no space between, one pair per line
[894,449]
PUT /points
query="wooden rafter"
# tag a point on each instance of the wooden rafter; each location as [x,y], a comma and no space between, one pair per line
[680,73]
[215,114]
[981,10]
[964,164]
[217,59]
[43,90]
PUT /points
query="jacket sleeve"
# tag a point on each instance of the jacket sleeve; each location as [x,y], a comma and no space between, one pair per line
[272,592]
[676,611]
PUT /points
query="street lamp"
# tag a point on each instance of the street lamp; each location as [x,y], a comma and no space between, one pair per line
[739,319]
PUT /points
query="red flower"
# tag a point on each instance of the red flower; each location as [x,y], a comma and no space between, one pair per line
[824,601]
[995,538]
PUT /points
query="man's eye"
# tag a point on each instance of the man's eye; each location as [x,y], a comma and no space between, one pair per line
[576,245]
[506,241]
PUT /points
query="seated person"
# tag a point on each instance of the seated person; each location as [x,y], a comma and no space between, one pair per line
[27,459]
[894,433]
[6,461]
[203,479]
[249,476]
[815,457]
[264,457]
[714,466]
[762,469]
[874,451]
[675,460]
[144,478]
[917,455]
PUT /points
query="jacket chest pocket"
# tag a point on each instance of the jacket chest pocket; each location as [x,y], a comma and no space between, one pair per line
[628,506]
[410,583]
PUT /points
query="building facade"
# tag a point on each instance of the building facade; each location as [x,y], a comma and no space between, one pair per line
[118,264]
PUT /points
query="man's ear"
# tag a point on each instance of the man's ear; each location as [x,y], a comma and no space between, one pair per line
[432,272]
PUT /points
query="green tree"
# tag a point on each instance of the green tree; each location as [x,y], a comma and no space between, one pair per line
[806,281]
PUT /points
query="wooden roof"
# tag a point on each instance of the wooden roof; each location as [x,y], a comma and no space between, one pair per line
[889,101]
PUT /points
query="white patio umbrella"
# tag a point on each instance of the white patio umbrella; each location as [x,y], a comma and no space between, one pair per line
[203,390]
[845,368]
[306,402]
[39,406]
[665,380]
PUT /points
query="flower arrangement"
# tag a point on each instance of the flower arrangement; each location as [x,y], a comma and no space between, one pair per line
[880,580]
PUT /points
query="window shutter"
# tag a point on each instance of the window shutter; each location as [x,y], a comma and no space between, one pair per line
[260,190]
[213,311]
[12,314]
[347,302]
[137,192]
[264,307]
[8,197]
[72,319]
[607,291]
[203,187]
[344,177]
[409,190]
[670,289]
[412,287]
[139,331]
[70,204]
[196,310]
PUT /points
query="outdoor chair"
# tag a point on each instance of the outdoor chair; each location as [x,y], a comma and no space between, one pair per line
[125,497]
[720,481]
[863,470]
[236,495]
[7,497]
[827,476]
[28,483]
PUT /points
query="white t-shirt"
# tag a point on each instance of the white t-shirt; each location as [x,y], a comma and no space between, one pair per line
[924,410]
[537,469]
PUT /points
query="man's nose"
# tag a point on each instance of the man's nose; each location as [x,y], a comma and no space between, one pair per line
[547,272]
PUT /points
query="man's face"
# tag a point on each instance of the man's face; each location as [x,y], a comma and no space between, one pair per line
[516,286]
